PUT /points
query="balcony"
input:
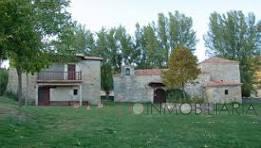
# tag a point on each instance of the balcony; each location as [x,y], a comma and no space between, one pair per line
[59,76]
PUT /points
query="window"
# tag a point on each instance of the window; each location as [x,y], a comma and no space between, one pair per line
[75,92]
[226,92]
[127,71]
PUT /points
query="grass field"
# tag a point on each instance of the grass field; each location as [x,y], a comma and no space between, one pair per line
[115,125]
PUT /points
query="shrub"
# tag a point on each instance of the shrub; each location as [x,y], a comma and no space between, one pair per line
[176,95]
[3,81]
[197,100]
[11,95]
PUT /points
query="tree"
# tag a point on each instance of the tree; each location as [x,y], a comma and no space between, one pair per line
[163,35]
[125,45]
[181,32]
[139,47]
[25,29]
[155,41]
[3,81]
[182,68]
[235,36]
[154,55]
[149,47]
[114,50]
[74,38]
[106,78]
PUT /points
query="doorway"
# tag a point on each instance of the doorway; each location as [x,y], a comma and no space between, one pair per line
[159,95]
[43,96]
[71,71]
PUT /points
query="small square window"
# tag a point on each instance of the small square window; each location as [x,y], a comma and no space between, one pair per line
[75,92]
[226,92]
[127,71]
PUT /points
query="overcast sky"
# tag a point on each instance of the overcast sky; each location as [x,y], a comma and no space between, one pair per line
[96,14]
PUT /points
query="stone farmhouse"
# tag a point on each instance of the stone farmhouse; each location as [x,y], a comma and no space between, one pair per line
[62,84]
[218,82]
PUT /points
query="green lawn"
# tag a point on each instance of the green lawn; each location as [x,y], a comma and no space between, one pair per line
[116,126]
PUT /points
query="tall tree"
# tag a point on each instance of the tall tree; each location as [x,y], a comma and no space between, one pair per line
[182,68]
[107,46]
[181,32]
[235,36]
[74,38]
[25,29]
[163,35]
[139,47]
[152,47]
[169,33]
[101,45]
[125,45]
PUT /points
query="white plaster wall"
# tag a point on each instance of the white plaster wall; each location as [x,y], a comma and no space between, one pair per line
[63,94]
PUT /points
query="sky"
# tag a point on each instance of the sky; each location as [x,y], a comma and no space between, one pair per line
[95,14]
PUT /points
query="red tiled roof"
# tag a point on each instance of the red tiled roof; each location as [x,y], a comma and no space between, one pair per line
[145,72]
[89,57]
[217,60]
[222,83]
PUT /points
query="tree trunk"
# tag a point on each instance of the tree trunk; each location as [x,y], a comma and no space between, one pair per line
[27,89]
[183,91]
[107,95]
[19,88]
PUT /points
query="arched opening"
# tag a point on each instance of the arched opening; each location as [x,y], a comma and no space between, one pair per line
[159,95]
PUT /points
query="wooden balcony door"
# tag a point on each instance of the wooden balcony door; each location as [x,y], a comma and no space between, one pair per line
[71,72]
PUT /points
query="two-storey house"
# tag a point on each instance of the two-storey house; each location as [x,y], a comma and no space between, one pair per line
[61,84]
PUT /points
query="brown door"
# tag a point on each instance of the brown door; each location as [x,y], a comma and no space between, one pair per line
[43,96]
[71,71]
[159,96]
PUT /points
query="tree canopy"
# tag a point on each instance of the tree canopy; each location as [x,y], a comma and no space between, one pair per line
[182,69]
[149,47]
[25,31]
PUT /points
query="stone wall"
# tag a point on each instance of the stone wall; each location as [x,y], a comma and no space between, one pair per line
[91,76]
[196,88]
[28,84]
[217,94]
[134,88]
[258,92]
[228,71]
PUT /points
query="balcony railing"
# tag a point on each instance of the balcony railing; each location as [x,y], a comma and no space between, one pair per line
[59,75]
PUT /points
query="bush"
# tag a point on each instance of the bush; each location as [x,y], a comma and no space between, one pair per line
[3,81]
[197,100]
[176,95]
